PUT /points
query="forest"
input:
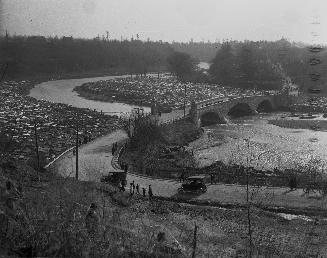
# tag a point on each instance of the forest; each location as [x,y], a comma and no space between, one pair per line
[201,51]
[267,65]
[245,64]
[32,56]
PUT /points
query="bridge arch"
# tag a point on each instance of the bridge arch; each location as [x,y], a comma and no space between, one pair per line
[240,109]
[211,118]
[265,106]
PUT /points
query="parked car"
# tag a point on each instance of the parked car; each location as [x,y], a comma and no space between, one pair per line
[114,178]
[194,184]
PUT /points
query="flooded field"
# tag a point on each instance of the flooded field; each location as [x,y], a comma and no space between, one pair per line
[254,141]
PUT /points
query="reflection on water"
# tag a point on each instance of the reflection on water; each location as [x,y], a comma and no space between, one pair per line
[269,146]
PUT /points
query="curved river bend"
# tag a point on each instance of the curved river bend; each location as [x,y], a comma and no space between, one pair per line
[61,91]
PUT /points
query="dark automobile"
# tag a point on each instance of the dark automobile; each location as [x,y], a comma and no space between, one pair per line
[114,178]
[194,184]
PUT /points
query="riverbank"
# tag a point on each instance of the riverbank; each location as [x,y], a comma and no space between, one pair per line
[166,91]
[55,123]
[317,124]
[111,97]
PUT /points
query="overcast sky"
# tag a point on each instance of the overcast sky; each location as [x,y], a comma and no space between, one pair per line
[168,20]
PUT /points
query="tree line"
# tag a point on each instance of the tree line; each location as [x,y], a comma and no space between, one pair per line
[261,64]
[247,64]
[23,56]
[201,51]
[267,65]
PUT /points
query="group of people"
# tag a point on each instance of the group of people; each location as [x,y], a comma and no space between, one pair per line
[136,188]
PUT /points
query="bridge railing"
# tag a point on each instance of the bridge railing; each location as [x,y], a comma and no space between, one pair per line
[170,121]
[215,101]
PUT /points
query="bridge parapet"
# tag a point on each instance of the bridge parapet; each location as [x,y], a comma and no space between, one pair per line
[220,100]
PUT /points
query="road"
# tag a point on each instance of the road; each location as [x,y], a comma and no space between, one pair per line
[95,161]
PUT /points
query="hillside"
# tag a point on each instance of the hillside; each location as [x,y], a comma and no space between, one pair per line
[54,211]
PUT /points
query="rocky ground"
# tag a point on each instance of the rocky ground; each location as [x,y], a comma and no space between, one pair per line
[167,91]
[55,123]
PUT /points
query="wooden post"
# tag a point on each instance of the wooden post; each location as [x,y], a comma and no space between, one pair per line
[76,173]
[184,99]
[37,149]
[248,210]
[194,240]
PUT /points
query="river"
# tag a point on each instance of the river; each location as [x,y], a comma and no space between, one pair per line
[269,145]
[61,91]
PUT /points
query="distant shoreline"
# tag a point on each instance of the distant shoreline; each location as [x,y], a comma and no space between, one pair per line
[311,124]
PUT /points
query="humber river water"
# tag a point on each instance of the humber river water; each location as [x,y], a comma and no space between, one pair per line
[255,142]
[61,91]
[269,146]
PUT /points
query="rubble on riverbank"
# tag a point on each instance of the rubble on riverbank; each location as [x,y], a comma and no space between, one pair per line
[55,123]
[166,91]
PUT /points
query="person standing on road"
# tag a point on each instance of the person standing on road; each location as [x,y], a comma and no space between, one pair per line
[133,186]
[143,189]
[138,188]
[150,192]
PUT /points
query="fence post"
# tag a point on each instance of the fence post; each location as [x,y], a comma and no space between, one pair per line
[194,240]
[76,161]
[37,149]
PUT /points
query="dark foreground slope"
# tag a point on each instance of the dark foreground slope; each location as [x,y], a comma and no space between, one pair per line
[50,222]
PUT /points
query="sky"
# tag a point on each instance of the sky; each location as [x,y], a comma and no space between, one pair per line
[168,20]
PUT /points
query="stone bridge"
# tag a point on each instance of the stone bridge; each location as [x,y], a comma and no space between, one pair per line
[221,108]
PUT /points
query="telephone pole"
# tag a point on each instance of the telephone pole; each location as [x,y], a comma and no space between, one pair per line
[76,174]
[37,148]
[184,99]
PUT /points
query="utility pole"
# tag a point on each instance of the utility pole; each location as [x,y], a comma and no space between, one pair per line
[76,174]
[184,99]
[248,201]
[37,148]
[194,240]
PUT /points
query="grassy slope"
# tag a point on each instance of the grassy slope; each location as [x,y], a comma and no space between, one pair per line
[56,207]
